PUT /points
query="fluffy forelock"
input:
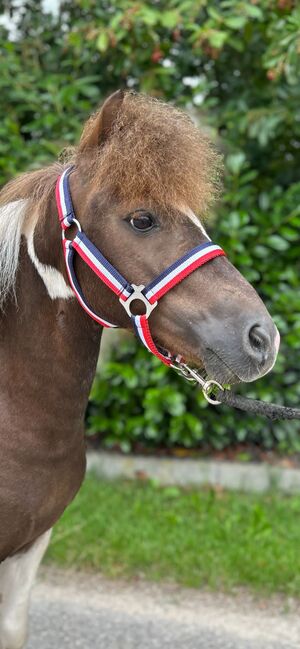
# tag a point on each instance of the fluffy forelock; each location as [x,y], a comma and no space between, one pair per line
[155,151]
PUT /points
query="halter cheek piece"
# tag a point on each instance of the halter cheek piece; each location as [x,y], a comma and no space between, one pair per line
[127,293]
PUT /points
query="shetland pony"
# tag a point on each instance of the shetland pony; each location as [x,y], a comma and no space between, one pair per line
[143,180]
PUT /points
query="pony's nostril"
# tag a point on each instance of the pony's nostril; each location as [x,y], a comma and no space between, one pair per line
[260,342]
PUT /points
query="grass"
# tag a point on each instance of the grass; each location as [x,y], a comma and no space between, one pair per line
[198,538]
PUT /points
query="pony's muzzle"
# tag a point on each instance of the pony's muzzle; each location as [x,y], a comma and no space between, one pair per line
[239,350]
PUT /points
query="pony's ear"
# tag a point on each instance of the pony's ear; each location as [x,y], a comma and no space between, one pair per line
[97,130]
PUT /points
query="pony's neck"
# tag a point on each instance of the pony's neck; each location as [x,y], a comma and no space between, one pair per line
[50,346]
[48,354]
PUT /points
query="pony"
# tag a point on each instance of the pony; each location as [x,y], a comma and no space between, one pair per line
[144,178]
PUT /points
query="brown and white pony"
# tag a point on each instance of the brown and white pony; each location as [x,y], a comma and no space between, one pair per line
[135,155]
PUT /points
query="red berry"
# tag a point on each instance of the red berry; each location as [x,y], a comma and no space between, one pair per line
[156,55]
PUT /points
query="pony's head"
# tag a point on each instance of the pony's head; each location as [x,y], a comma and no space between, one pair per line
[144,179]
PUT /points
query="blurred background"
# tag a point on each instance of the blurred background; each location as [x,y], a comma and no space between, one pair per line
[234,65]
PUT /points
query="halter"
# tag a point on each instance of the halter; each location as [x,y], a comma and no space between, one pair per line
[126,292]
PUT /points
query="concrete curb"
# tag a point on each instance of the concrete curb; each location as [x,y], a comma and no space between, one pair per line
[184,472]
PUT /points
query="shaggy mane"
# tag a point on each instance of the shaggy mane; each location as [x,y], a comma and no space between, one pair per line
[34,185]
[17,201]
[155,151]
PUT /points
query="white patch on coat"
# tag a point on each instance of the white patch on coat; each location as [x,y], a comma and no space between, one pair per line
[12,216]
[192,216]
[17,575]
[52,278]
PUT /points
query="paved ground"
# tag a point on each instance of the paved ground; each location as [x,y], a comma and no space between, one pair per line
[71,611]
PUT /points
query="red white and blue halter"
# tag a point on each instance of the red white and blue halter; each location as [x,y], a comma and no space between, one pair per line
[126,292]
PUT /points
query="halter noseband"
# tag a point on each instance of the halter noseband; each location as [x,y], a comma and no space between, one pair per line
[127,293]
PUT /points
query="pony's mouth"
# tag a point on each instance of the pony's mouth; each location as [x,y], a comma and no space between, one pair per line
[211,365]
[216,368]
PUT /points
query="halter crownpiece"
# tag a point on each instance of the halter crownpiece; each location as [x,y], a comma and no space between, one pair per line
[126,292]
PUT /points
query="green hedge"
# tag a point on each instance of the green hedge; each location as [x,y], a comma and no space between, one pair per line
[235,63]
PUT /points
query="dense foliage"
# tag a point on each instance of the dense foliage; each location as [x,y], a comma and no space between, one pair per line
[235,63]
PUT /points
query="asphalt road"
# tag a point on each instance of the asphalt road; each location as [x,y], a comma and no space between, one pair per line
[75,611]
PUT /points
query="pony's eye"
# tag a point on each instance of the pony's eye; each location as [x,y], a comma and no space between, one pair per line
[142,222]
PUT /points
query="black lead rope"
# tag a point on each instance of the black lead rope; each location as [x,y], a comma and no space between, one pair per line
[255,407]
[215,394]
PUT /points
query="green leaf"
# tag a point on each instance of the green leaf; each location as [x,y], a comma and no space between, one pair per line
[149,16]
[217,38]
[277,243]
[236,22]
[253,11]
[235,162]
[169,19]
[264,201]
[102,41]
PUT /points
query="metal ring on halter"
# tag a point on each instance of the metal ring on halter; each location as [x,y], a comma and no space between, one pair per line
[193,375]
[205,389]
[138,295]
[63,234]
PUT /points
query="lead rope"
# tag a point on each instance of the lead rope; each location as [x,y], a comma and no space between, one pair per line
[255,407]
[216,394]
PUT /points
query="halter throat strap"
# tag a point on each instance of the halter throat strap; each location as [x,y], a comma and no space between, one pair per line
[109,275]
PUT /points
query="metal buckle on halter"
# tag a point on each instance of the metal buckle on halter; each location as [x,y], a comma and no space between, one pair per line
[63,232]
[138,295]
[207,385]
